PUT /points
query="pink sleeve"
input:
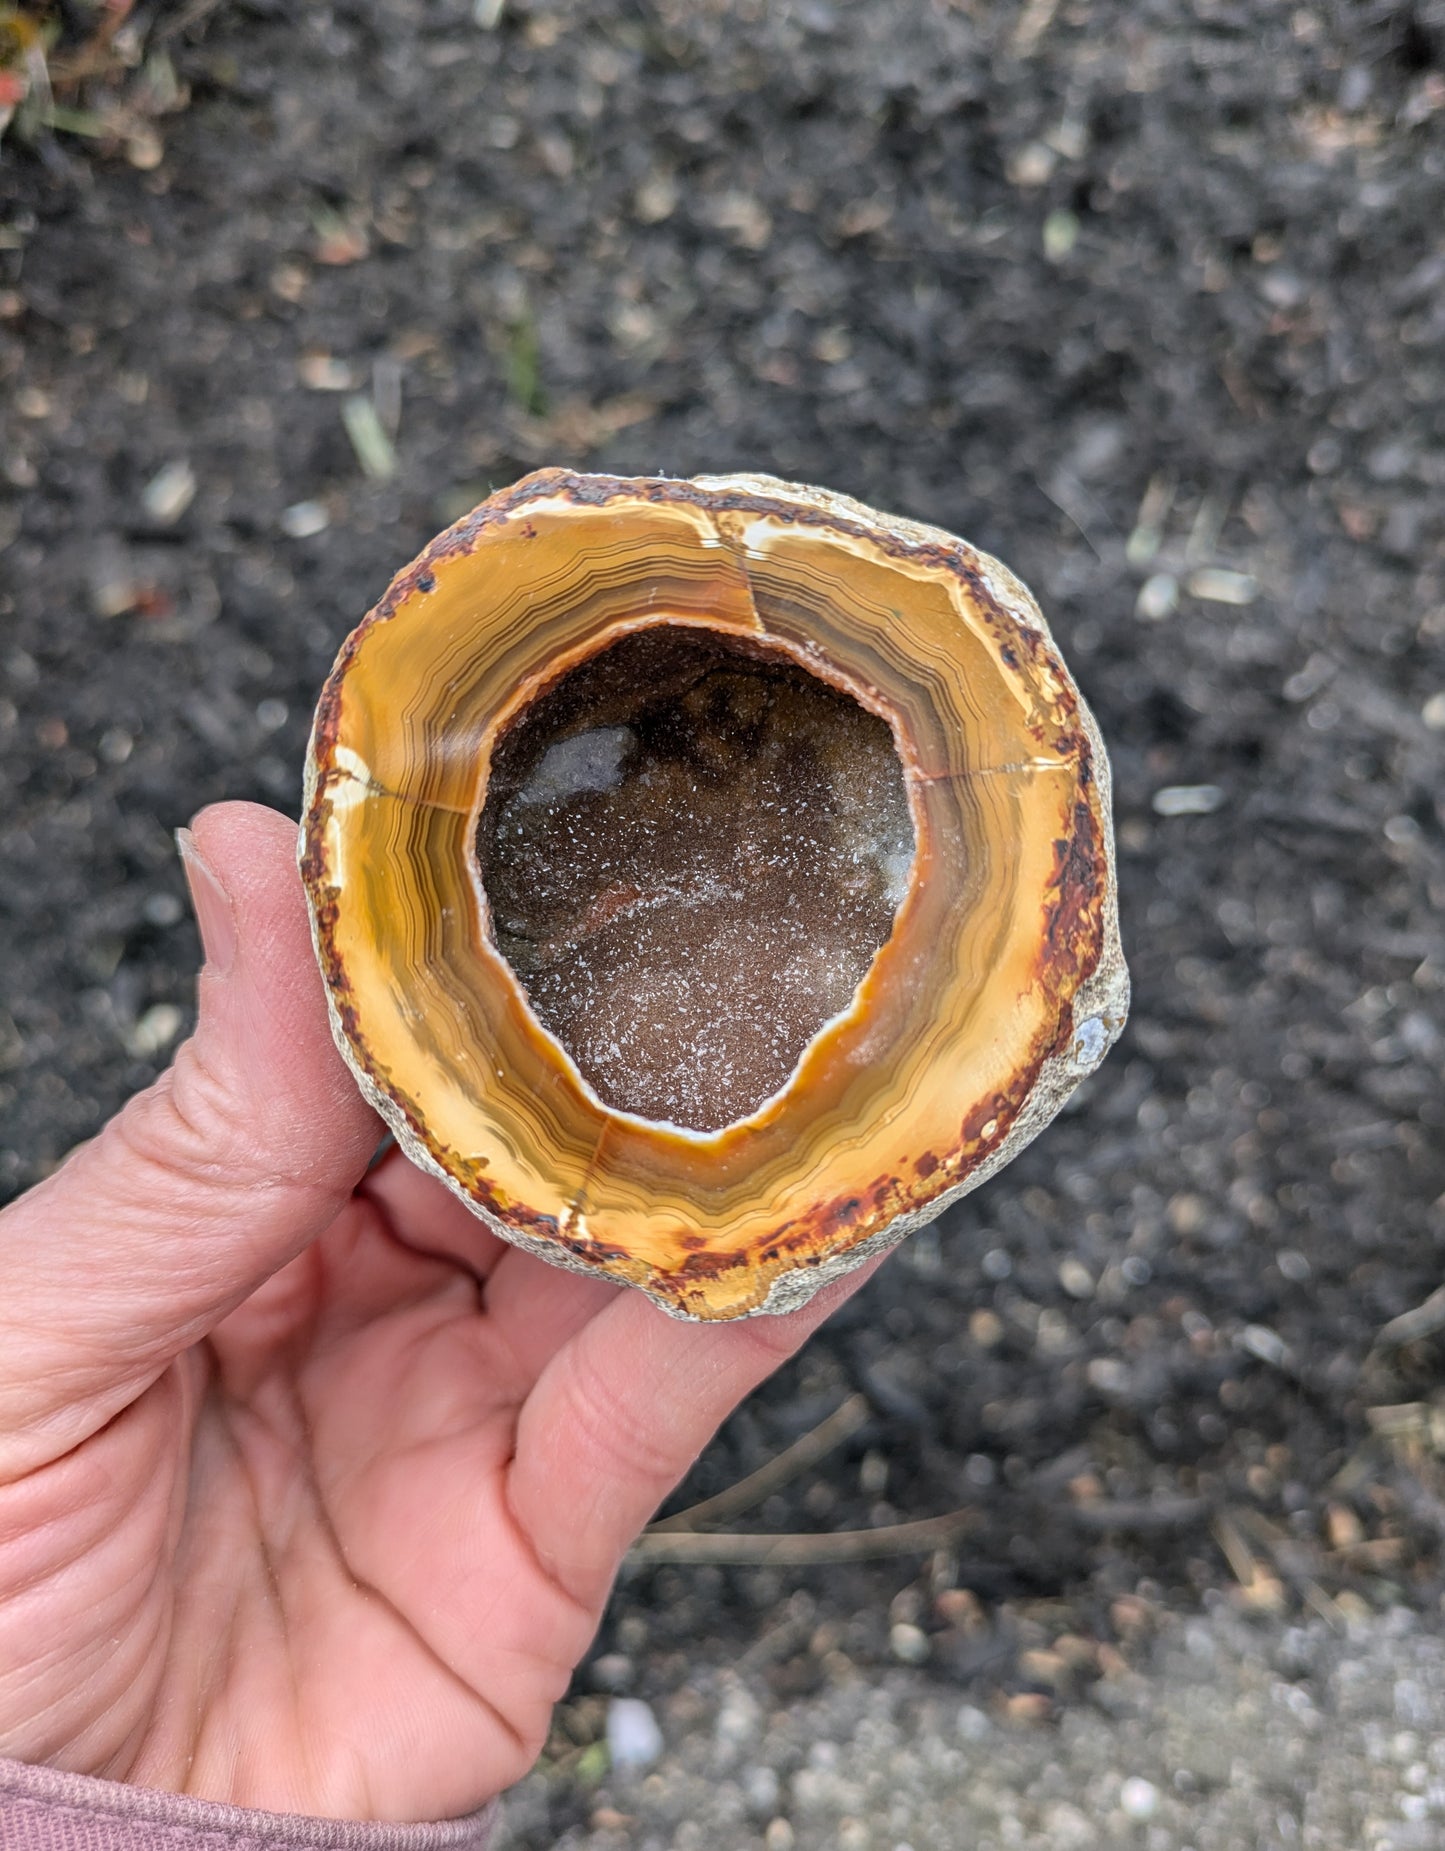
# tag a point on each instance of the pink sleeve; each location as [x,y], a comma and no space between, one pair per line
[42,1809]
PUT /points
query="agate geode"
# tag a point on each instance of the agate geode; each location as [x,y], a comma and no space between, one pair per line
[712,879]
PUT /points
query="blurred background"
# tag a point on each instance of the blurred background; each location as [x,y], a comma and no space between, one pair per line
[1148,298]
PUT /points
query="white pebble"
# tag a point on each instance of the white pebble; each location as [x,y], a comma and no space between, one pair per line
[1108,1375]
[973,1725]
[1217,586]
[1187,800]
[739,1718]
[1433,712]
[1158,597]
[908,1644]
[761,1790]
[1139,1798]
[155,1031]
[612,1671]
[1075,1278]
[169,493]
[303,519]
[163,909]
[634,1740]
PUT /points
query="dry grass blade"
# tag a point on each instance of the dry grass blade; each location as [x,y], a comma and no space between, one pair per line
[1140,1517]
[1034,22]
[732,1549]
[789,1464]
[1289,1555]
[189,16]
[1259,1590]
[1415,1325]
[1235,1550]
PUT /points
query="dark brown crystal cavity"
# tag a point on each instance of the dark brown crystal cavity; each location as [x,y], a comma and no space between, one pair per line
[692,849]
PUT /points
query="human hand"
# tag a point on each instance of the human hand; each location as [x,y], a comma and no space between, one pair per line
[311,1489]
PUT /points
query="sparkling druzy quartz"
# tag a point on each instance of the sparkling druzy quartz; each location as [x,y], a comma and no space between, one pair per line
[712,879]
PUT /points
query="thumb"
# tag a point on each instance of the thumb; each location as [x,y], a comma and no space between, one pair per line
[206,1183]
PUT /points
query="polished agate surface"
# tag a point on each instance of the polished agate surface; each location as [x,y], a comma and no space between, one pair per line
[534,666]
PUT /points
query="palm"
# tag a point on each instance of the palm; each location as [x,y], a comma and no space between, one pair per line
[351,1618]
[311,1494]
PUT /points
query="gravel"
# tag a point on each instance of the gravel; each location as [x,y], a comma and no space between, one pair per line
[1231,1736]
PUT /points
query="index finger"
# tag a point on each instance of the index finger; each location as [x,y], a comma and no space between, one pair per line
[622,1411]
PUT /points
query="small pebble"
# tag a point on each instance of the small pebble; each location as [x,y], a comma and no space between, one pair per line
[608,1819]
[1158,597]
[1433,712]
[1187,800]
[303,519]
[144,149]
[634,1740]
[154,1032]
[1031,165]
[761,1790]
[169,493]
[112,594]
[321,372]
[1343,1528]
[985,1328]
[1108,1375]
[1061,233]
[1076,1279]
[1266,1344]
[163,909]
[656,199]
[612,1671]
[779,1836]
[1139,1798]
[1216,586]
[739,1719]
[908,1644]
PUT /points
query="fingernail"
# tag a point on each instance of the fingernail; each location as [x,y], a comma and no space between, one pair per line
[214,913]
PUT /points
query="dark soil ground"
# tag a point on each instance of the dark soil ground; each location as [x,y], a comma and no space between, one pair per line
[1146,297]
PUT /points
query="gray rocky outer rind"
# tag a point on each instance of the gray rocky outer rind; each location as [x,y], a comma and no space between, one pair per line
[1100,1005]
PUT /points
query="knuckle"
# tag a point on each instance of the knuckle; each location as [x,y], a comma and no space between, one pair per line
[601,1420]
[198,1129]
